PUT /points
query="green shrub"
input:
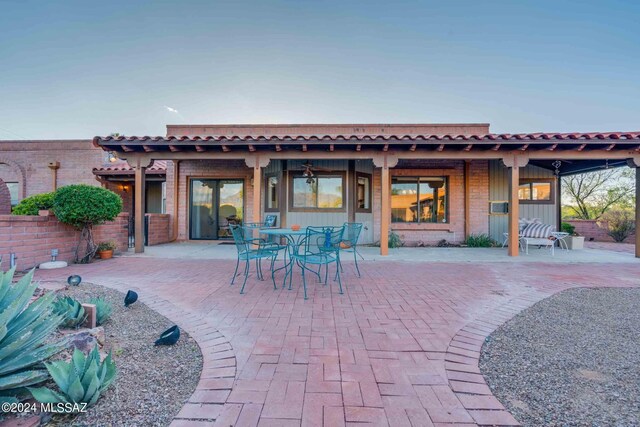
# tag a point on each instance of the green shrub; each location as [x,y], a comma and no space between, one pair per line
[394,240]
[621,224]
[480,241]
[103,309]
[32,204]
[568,228]
[24,330]
[72,311]
[83,206]
[107,246]
[80,380]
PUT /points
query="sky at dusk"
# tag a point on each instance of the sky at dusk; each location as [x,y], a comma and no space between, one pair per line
[76,69]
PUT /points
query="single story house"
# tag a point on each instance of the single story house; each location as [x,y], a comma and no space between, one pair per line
[425,182]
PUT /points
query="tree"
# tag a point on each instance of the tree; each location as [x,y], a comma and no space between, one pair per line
[83,206]
[590,195]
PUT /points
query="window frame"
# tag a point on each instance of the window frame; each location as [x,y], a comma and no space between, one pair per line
[530,181]
[266,192]
[330,174]
[17,186]
[355,195]
[419,182]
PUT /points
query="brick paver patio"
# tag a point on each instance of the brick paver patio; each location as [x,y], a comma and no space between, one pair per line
[399,348]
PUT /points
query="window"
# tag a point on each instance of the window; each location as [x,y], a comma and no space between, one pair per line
[13,191]
[419,199]
[164,197]
[363,192]
[272,193]
[535,191]
[320,192]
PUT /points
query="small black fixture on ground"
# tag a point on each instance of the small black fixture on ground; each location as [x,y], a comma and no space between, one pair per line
[169,337]
[130,298]
[74,280]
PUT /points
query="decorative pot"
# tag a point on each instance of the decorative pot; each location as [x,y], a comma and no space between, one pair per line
[105,254]
[575,242]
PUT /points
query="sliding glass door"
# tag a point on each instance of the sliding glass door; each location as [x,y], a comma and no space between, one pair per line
[213,205]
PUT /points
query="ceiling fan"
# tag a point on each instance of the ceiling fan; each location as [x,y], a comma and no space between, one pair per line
[308,171]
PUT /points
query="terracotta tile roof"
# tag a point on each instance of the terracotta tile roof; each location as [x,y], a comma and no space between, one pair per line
[122,167]
[359,137]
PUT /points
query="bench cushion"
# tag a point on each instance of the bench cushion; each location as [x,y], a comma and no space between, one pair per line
[537,230]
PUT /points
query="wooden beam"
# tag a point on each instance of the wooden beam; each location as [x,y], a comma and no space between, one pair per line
[359,147]
[413,147]
[385,210]
[610,147]
[252,148]
[496,147]
[468,147]
[225,148]
[582,147]
[637,213]
[440,147]
[331,147]
[200,149]
[304,147]
[467,198]
[278,147]
[126,148]
[386,147]
[514,241]
[524,147]
[174,149]
[553,147]
[139,208]
[148,149]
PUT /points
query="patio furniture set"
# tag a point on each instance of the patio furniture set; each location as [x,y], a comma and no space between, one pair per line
[310,248]
[532,232]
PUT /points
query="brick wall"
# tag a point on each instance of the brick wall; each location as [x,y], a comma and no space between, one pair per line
[214,169]
[26,162]
[5,199]
[158,229]
[594,230]
[31,238]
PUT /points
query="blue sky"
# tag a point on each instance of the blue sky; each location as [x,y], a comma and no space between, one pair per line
[76,69]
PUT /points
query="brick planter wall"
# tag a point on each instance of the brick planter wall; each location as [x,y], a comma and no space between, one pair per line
[158,231]
[594,230]
[31,238]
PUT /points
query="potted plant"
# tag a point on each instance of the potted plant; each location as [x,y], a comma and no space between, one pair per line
[105,249]
[573,240]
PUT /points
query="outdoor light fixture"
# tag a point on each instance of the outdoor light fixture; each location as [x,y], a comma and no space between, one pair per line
[557,165]
[112,157]
[130,298]
[54,254]
[74,280]
[169,337]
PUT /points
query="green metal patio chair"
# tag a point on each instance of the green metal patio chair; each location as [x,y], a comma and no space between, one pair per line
[350,240]
[321,247]
[250,248]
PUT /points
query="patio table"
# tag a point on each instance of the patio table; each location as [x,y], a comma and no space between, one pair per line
[294,239]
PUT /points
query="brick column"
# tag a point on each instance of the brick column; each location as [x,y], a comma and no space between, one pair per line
[5,199]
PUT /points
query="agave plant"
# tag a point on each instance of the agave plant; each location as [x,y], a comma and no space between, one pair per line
[24,329]
[103,309]
[80,380]
[72,311]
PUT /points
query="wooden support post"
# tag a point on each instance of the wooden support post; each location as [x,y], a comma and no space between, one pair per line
[637,213]
[257,186]
[139,207]
[514,215]
[385,213]
[559,202]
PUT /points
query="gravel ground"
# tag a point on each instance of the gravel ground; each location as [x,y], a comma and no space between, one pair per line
[570,360]
[152,382]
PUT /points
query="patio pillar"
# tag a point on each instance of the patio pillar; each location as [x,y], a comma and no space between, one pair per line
[385,162]
[514,163]
[256,162]
[637,213]
[139,206]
